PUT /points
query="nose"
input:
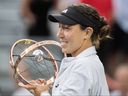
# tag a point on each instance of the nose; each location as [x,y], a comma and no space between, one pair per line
[60,33]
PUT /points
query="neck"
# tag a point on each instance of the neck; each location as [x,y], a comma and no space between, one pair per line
[85,44]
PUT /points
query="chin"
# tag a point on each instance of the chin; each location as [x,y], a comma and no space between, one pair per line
[66,51]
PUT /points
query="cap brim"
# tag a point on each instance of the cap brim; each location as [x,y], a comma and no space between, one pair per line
[61,19]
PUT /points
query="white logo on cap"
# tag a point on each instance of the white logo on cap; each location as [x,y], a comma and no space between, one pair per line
[65,11]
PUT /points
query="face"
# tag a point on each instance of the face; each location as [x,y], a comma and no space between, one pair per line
[71,38]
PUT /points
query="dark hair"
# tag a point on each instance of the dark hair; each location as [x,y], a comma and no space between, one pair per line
[101,29]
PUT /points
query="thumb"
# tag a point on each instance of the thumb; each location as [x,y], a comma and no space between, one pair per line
[27,86]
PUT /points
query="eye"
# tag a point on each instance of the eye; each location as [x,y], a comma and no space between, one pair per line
[66,27]
[59,25]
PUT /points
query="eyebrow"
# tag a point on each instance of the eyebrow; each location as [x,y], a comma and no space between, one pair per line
[63,25]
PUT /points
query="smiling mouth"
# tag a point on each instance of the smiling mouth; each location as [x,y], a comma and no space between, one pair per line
[63,43]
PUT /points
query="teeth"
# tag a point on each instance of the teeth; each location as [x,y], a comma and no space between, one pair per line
[63,42]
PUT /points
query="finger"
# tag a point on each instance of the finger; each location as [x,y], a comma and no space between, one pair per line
[42,81]
[33,82]
[50,81]
[28,86]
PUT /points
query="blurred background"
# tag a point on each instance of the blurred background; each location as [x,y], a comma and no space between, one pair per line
[21,19]
[11,29]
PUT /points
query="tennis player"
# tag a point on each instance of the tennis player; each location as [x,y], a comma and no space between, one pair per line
[80,31]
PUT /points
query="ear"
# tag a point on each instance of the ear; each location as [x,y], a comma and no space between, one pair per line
[88,32]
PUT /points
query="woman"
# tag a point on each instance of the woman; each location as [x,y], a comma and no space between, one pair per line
[80,30]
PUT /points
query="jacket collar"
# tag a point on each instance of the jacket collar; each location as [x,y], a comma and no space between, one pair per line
[87,52]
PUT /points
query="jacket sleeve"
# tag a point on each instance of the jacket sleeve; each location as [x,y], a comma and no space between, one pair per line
[78,83]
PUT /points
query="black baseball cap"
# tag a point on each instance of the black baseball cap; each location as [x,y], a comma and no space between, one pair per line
[71,16]
[65,17]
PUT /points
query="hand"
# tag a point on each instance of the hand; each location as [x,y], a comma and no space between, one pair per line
[36,86]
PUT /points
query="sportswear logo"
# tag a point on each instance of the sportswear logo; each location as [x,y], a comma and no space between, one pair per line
[57,85]
[65,11]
